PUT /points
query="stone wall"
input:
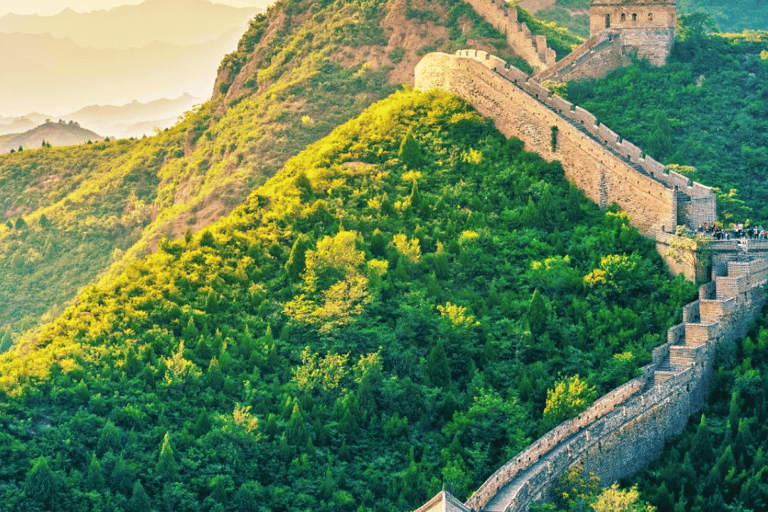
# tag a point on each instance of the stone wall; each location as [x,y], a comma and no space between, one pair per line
[533,49]
[607,168]
[647,28]
[627,428]
[595,58]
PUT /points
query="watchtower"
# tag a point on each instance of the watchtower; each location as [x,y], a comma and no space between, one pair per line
[644,26]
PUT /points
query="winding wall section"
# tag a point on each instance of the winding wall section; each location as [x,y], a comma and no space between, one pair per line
[627,428]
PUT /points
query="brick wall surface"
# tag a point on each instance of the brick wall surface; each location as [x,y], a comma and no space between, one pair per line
[520,110]
[627,428]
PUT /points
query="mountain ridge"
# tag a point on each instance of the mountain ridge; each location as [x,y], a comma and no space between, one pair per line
[54,133]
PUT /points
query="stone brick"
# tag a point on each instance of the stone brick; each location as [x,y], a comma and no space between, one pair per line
[650,409]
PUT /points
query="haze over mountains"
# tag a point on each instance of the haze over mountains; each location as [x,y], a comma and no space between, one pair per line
[61,63]
[177,22]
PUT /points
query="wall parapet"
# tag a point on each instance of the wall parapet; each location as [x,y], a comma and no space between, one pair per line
[640,184]
[655,406]
[649,409]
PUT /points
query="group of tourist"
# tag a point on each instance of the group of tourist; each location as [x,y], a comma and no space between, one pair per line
[738,232]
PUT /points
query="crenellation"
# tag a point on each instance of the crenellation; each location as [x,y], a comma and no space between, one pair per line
[655,406]
[716,310]
[586,118]
[632,152]
[674,179]
[536,90]
[700,334]
[564,107]
[728,287]
[608,136]
[691,312]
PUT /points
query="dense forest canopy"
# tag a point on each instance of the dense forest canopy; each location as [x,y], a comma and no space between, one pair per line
[299,71]
[382,318]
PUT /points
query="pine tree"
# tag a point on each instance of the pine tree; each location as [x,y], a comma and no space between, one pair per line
[212,303]
[202,423]
[538,314]
[378,245]
[438,369]
[94,481]
[166,468]
[295,431]
[702,453]
[139,501]
[41,483]
[410,151]
[110,438]
[297,260]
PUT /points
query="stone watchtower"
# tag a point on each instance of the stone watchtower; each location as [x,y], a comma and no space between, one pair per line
[645,26]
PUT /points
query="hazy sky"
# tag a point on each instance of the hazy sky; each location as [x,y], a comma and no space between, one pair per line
[49,7]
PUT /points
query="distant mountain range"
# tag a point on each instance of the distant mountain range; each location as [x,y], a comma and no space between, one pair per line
[55,133]
[177,22]
[158,49]
[131,120]
[134,119]
[48,74]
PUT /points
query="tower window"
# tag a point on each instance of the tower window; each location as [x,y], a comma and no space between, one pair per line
[607,21]
[634,16]
[623,17]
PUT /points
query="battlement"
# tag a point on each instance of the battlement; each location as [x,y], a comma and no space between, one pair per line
[532,48]
[627,428]
[593,156]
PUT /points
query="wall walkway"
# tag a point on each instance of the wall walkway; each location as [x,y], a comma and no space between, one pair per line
[627,428]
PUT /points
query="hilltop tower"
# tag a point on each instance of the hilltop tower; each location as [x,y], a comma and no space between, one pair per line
[618,29]
[644,26]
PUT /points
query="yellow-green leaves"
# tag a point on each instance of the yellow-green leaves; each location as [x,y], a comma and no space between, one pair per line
[335,284]
[570,397]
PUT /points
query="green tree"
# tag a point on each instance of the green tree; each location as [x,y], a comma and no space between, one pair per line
[297,260]
[538,314]
[41,484]
[410,151]
[139,501]
[569,397]
[167,468]
[95,478]
[110,438]
[438,369]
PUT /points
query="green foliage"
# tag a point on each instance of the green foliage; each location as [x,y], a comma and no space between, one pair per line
[706,108]
[170,374]
[567,399]
[410,152]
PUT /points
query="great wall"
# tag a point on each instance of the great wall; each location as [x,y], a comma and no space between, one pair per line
[626,428]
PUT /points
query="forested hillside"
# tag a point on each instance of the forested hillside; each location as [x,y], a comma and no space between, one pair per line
[706,108]
[382,318]
[300,70]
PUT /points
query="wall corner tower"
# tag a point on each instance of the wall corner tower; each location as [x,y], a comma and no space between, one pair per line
[644,27]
